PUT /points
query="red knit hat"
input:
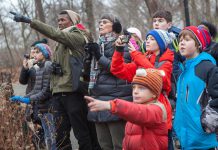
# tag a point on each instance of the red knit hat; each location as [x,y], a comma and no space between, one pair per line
[198,34]
[151,78]
[206,34]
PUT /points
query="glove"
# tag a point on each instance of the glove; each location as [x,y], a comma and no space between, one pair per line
[20,18]
[94,49]
[15,98]
[25,100]
[120,49]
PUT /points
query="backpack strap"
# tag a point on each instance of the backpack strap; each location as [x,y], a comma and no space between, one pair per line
[163,109]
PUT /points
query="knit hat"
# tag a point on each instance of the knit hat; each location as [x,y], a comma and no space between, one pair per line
[199,34]
[162,37]
[45,49]
[75,18]
[206,35]
[45,41]
[151,78]
[136,31]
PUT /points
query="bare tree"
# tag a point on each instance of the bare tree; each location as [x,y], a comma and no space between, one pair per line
[90,16]
[6,41]
[153,6]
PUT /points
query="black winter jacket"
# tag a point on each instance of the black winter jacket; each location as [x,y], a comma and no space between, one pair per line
[109,87]
[41,94]
[28,76]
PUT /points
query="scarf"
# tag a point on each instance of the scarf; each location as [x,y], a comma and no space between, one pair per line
[94,71]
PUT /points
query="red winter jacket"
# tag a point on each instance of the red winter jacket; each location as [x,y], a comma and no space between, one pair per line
[147,60]
[145,129]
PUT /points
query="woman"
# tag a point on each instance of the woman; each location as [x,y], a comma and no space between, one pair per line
[105,86]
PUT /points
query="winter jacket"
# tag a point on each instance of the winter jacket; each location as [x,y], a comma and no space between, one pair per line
[213,50]
[146,128]
[28,76]
[127,72]
[70,44]
[190,85]
[108,86]
[41,94]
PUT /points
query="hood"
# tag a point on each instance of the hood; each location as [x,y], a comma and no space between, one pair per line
[73,16]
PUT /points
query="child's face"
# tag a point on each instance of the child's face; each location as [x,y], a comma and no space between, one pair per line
[151,44]
[39,56]
[141,94]
[32,53]
[161,23]
[187,47]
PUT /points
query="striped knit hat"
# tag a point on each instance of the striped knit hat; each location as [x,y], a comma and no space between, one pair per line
[151,78]
[162,37]
[45,49]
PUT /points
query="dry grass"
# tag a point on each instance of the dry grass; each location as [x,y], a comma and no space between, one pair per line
[13,134]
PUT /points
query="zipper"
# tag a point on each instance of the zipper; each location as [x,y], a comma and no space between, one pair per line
[187,93]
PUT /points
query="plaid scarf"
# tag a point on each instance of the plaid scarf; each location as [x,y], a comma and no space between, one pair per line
[94,71]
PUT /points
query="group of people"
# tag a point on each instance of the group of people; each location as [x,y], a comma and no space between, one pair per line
[130,84]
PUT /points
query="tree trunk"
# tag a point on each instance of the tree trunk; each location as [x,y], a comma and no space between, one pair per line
[40,14]
[39,10]
[208,12]
[194,15]
[153,6]
[6,40]
[90,17]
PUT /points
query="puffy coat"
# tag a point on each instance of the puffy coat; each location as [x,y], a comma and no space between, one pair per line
[28,76]
[108,86]
[190,85]
[41,94]
[146,128]
[127,71]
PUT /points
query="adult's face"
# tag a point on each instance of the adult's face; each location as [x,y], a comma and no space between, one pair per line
[64,21]
[105,26]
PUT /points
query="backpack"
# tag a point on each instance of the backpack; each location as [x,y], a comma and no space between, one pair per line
[81,68]
[209,116]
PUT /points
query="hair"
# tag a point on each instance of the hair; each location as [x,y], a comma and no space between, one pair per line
[211,27]
[163,14]
[110,17]
[63,12]
[184,33]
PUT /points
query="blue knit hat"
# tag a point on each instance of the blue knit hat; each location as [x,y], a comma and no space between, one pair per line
[45,49]
[162,37]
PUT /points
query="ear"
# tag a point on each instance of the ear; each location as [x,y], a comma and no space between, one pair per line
[169,25]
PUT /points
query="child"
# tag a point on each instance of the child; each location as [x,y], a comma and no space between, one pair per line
[157,56]
[198,71]
[146,127]
[41,94]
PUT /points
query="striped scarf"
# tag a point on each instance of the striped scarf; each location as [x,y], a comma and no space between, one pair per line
[94,71]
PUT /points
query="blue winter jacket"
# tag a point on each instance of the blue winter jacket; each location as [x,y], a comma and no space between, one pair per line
[188,111]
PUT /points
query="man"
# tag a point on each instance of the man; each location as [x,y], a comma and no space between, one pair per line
[68,104]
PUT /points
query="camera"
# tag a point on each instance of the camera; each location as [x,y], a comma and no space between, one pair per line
[125,38]
[27,56]
[56,69]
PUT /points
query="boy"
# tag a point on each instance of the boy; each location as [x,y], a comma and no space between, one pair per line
[146,127]
[40,95]
[199,67]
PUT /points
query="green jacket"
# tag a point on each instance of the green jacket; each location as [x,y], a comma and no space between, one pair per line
[70,43]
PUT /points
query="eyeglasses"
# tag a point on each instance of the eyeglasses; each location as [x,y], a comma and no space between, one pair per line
[104,21]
